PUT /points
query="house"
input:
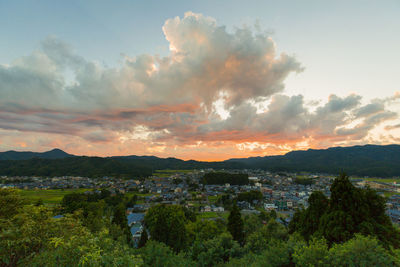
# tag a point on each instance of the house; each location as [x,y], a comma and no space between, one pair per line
[135,221]
[394,215]
[207,209]
[136,232]
[135,218]
[218,209]
[270,206]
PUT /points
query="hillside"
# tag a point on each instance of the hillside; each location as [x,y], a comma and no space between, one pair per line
[370,160]
[16,155]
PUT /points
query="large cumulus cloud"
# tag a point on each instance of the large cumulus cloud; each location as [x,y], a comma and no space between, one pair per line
[176,101]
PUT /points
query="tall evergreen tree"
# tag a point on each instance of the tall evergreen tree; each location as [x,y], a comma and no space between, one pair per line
[350,210]
[235,224]
[119,216]
[166,223]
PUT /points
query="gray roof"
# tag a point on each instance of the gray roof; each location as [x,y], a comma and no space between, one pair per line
[134,230]
[135,217]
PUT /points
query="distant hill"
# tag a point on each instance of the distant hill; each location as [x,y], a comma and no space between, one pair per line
[94,167]
[369,160]
[16,155]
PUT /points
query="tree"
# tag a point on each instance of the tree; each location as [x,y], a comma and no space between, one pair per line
[250,196]
[318,206]
[143,239]
[10,203]
[235,225]
[166,223]
[259,239]
[214,251]
[119,217]
[132,201]
[39,202]
[277,253]
[203,230]
[156,254]
[251,223]
[360,251]
[312,255]
[350,210]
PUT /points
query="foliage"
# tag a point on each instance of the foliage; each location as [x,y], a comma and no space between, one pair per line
[350,210]
[33,236]
[368,160]
[304,181]
[143,239]
[226,178]
[260,239]
[371,160]
[214,251]
[349,229]
[312,255]
[157,254]
[252,223]
[235,225]
[204,229]
[10,203]
[250,196]
[360,251]
[94,167]
[167,224]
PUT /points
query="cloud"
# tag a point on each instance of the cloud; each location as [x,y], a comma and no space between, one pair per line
[216,92]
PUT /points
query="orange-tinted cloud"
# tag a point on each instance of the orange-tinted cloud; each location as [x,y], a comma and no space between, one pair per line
[172,106]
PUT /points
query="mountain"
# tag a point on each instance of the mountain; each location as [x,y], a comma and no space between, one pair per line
[367,160]
[371,160]
[52,154]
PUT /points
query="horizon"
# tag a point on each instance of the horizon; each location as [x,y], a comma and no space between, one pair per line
[28,151]
[191,81]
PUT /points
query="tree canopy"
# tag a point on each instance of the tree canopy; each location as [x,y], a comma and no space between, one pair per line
[349,210]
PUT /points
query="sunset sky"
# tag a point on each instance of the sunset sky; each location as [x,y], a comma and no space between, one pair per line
[205,80]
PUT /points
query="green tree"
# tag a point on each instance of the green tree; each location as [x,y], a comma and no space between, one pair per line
[203,230]
[360,251]
[277,254]
[318,206]
[10,203]
[143,239]
[156,254]
[312,255]
[251,223]
[260,239]
[350,210]
[235,225]
[167,224]
[39,202]
[119,217]
[213,251]
[131,201]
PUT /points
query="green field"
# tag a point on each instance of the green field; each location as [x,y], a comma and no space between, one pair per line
[389,194]
[212,199]
[50,196]
[382,180]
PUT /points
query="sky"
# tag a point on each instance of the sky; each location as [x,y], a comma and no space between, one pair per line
[204,80]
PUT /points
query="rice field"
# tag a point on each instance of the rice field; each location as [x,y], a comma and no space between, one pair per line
[49,196]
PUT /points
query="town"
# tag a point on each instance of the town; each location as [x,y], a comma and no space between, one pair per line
[281,192]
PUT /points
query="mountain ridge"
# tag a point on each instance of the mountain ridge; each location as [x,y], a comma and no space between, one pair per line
[25,155]
[370,160]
